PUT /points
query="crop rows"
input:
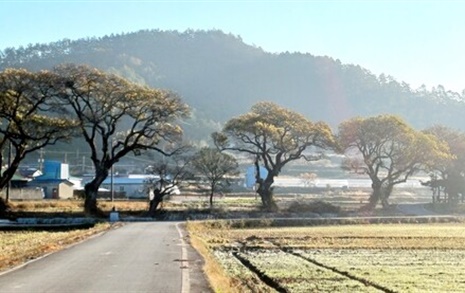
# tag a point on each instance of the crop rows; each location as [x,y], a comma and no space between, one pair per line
[424,270]
[346,270]
[370,258]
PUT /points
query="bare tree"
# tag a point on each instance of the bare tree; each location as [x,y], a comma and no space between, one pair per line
[216,167]
[308,179]
[169,176]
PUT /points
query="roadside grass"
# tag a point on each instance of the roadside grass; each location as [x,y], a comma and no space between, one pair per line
[17,247]
[49,208]
[341,258]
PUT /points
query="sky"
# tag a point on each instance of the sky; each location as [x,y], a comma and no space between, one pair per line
[414,41]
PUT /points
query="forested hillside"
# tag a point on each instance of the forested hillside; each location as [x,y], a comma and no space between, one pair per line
[220,76]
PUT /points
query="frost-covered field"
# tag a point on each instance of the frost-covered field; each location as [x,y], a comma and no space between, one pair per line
[346,258]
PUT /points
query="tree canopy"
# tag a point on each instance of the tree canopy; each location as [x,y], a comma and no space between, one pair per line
[117,117]
[449,174]
[273,136]
[389,151]
[31,117]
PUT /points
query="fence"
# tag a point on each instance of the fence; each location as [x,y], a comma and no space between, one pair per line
[24,194]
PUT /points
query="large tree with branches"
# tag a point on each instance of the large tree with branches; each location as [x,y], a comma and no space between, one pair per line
[449,175]
[116,118]
[31,117]
[389,151]
[274,136]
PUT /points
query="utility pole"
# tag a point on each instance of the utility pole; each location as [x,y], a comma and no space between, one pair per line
[41,159]
[9,181]
[112,192]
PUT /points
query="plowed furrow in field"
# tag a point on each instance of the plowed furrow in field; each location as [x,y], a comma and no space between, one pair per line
[262,276]
[337,271]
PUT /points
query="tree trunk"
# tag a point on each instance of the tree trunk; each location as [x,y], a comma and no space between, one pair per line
[4,209]
[91,192]
[265,190]
[155,202]
[211,199]
[386,192]
[374,197]
[90,202]
[380,193]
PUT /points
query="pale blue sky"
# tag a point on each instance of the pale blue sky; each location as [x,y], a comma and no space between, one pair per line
[414,41]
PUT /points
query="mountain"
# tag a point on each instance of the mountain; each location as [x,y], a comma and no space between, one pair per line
[220,76]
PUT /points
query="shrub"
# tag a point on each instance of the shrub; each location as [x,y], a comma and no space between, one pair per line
[319,207]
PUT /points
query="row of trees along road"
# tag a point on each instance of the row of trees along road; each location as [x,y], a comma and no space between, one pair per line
[383,147]
[116,117]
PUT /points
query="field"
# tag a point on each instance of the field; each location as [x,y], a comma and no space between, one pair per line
[343,258]
[257,256]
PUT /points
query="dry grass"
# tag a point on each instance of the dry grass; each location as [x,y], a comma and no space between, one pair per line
[333,257]
[74,207]
[17,247]
[49,206]
[215,273]
[406,236]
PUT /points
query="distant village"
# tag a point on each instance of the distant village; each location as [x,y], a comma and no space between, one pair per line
[54,182]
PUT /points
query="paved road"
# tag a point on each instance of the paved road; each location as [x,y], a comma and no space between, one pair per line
[138,257]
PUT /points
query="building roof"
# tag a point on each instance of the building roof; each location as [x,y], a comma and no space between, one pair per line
[125,180]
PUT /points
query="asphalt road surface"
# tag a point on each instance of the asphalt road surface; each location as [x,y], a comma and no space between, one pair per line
[138,257]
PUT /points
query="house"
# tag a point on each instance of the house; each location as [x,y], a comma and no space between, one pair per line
[19,189]
[54,181]
[29,172]
[127,186]
[135,186]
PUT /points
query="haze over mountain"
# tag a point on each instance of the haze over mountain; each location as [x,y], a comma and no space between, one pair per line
[220,76]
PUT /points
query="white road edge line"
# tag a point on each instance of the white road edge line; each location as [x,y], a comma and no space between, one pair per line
[185,284]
